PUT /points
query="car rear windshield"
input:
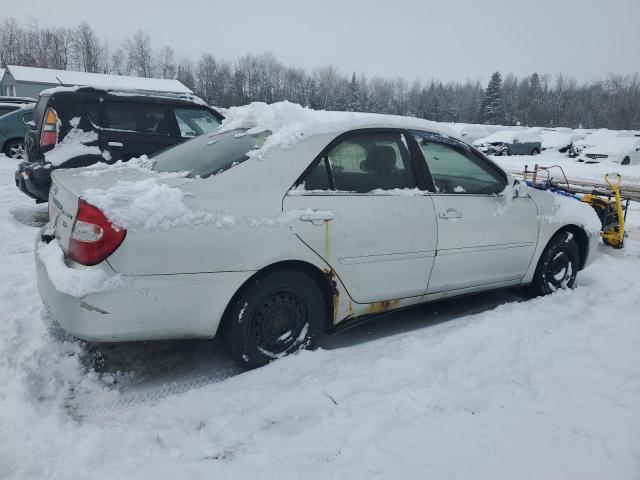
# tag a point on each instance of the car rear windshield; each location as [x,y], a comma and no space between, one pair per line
[209,154]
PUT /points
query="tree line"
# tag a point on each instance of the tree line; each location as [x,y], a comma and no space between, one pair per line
[540,100]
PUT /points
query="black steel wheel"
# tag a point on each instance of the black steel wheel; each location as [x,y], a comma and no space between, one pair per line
[558,265]
[275,314]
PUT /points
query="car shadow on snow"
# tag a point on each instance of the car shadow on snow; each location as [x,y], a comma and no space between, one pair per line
[422,316]
[161,368]
[32,215]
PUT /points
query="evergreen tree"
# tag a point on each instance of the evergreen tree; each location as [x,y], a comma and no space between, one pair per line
[354,95]
[492,111]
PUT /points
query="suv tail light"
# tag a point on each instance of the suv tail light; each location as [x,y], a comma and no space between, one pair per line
[93,237]
[49,133]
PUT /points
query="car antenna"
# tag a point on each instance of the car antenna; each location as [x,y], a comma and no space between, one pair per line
[62,84]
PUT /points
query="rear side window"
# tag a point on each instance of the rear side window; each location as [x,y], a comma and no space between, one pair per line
[193,121]
[209,154]
[366,162]
[138,117]
[456,169]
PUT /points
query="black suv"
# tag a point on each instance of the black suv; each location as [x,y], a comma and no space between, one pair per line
[104,125]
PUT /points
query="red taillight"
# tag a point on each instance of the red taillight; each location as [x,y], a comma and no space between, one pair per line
[93,237]
[49,133]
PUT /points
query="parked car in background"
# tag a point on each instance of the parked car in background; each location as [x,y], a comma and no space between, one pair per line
[291,222]
[595,138]
[622,150]
[13,126]
[510,142]
[79,126]
[559,141]
[5,99]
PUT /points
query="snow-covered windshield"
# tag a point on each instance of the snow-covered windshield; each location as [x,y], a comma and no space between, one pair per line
[209,154]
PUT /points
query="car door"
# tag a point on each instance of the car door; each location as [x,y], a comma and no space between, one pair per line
[485,235]
[358,207]
[131,129]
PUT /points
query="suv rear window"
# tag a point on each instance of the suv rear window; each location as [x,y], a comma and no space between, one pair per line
[138,117]
[195,121]
[209,154]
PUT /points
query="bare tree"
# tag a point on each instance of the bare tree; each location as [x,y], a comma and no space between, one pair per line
[165,61]
[139,53]
[87,51]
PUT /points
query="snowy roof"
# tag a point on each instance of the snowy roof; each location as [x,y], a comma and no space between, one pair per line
[289,122]
[68,77]
[615,146]
[508,136]
[1,73]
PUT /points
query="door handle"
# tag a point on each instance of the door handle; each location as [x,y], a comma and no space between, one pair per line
[449,214]
[317,217]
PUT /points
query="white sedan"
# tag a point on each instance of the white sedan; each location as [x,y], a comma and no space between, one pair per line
[289,222]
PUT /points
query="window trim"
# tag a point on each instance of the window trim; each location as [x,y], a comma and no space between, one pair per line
[482,158]
[421,181]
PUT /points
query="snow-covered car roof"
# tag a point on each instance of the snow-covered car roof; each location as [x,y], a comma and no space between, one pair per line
[614,146]
[559,139]
[508,136]
[123,92]
[290,122]
[602,135]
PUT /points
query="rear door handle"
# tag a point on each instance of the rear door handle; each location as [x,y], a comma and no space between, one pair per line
[449,214]
[317,217]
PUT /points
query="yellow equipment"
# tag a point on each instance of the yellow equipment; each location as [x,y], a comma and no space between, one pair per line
[611,207]
[611,211]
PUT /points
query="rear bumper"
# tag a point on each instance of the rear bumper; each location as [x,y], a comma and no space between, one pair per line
[152,307]
[33,180]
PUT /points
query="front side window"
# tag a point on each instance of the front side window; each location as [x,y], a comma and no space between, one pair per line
[137,117]
[209,154]
[363,163]
[193,122]
[455,168]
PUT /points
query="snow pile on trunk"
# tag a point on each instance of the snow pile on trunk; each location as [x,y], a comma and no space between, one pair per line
[289,122]
[74,144]
[570,210]
[147,205]
[72,281]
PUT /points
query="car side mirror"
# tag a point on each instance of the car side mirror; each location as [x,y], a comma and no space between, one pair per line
[520,189]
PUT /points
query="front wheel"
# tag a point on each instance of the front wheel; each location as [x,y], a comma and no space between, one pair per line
[558,265]
[275,314]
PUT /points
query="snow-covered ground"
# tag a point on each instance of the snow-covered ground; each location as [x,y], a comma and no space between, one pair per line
[488,387]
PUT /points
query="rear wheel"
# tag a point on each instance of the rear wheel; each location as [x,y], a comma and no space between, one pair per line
[275,314]
[14,148]
[558,265]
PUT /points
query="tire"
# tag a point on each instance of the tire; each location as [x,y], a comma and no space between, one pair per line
[275,314]
[14,148]
[625,161]
[558,265]
[535,151]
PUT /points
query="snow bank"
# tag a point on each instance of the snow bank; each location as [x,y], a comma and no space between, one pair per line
[147,205]
[289,122]
[570,210]
[74,282]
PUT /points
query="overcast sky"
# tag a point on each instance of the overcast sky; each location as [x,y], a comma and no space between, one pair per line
[447,40]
